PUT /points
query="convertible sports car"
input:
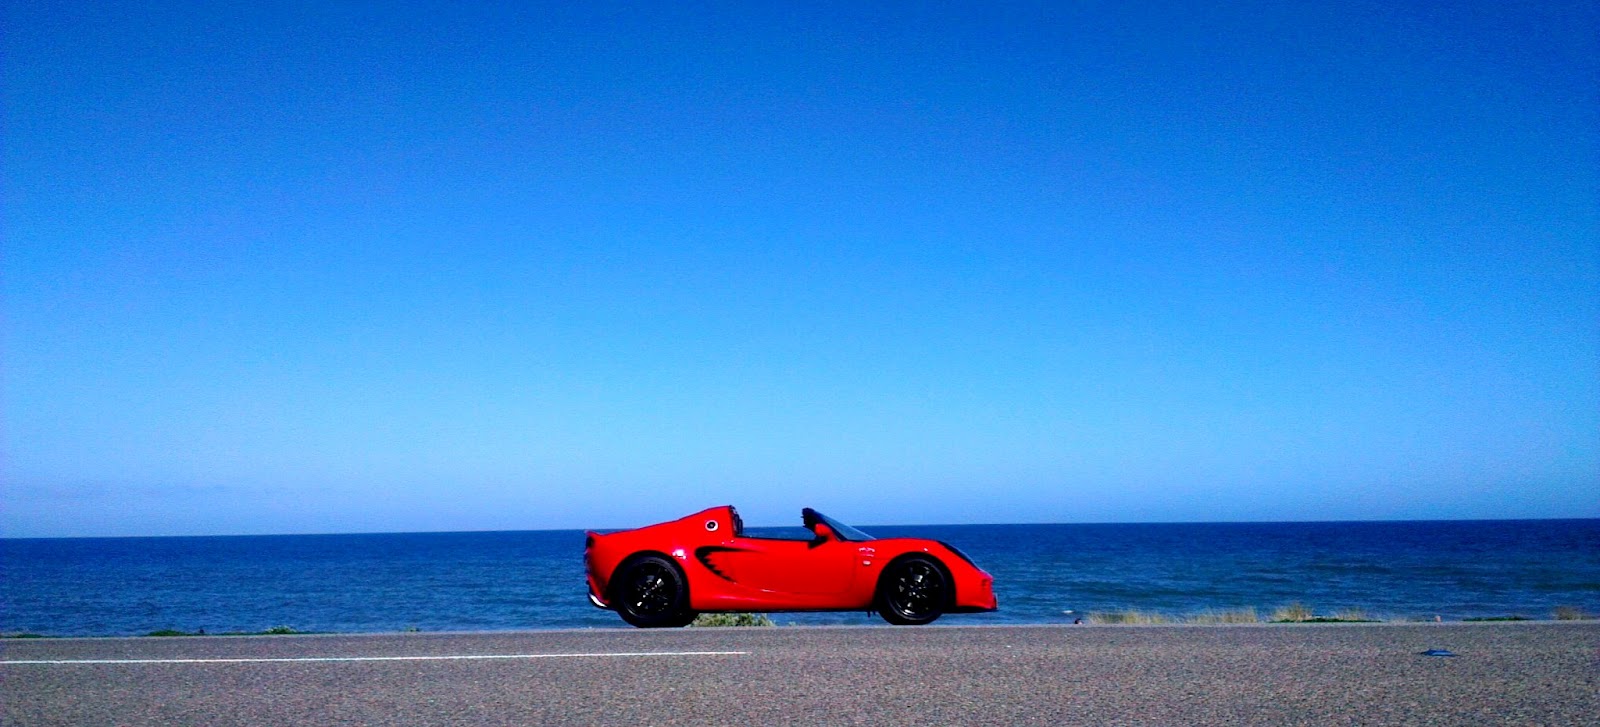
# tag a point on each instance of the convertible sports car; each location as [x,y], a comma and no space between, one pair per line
[664,574]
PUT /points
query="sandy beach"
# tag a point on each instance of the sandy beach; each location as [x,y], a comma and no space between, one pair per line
[1500,673]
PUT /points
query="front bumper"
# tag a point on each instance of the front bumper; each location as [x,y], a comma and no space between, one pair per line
[980,599]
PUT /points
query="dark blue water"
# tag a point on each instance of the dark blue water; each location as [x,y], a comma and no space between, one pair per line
[1043,574]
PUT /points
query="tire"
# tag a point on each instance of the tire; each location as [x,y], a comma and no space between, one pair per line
[913,591]
[650,592]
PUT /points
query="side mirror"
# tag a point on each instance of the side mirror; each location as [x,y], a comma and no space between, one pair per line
[824,532]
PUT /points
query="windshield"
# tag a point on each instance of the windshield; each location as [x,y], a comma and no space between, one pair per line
[845,532]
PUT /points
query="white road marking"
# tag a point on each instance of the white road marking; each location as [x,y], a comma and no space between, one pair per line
[469,657]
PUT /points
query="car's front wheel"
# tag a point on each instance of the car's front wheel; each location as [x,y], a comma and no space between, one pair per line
[913,591]
[650,592]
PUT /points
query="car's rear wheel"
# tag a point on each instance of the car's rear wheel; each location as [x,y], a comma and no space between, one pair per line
[650,592]
[913,591]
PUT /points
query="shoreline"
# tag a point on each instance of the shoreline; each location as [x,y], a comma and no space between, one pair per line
[868,626]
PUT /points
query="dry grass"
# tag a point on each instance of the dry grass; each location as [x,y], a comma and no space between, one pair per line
[1571,613]
[1302,614]
[1292,613]
[1352,614]
[1297,613]
[1231,616]
[1137,618]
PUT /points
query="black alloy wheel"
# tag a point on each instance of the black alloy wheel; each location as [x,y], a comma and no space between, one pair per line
[913,591]
[650,592]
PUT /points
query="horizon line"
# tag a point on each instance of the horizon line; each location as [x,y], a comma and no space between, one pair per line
[867,526]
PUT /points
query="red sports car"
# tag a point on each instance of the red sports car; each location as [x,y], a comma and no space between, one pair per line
[664,574]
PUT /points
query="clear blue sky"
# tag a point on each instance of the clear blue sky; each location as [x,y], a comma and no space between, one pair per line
[330,267]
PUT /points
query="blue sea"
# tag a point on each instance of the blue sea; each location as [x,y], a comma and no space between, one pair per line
[1043,574]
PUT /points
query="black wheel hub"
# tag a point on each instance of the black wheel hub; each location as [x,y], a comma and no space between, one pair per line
[651,593]
[918,590]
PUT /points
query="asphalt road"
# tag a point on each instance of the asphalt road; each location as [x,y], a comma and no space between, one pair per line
[1515,673]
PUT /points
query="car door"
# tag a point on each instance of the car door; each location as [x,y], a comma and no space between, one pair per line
[803,567]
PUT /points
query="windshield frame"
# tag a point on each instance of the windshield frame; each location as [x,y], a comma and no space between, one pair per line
[843,531]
